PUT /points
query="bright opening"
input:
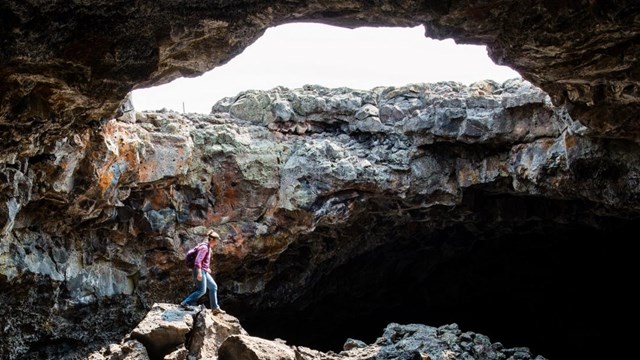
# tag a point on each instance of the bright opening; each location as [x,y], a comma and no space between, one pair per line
[295,55]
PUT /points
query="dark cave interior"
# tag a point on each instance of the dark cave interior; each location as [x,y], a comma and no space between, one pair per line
[550,286]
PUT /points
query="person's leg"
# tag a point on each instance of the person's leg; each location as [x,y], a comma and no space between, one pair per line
[201,288]
[213,292]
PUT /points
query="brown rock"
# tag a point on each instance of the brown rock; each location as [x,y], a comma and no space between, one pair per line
[244,347]
[163,329]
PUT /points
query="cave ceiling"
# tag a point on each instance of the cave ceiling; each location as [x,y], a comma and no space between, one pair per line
[66,64]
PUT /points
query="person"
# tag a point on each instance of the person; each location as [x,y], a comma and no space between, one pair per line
[202,276]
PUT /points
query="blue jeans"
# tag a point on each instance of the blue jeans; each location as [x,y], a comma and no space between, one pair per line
[201,288]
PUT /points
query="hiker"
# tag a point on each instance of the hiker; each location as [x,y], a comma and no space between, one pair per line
[202,276]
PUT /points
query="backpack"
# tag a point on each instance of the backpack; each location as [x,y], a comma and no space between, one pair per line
[190,256]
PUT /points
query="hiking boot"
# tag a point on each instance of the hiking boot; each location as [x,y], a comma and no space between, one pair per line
[218,311]
[189,307]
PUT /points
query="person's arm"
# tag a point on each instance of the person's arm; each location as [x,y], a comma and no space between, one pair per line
[202,252]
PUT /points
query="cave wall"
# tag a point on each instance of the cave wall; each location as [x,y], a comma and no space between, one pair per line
[302,184]
[98,202]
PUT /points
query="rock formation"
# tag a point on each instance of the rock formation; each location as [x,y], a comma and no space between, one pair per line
[323,196]
[168,332]
[494,206]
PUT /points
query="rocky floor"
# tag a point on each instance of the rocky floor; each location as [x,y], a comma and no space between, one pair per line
[170,332]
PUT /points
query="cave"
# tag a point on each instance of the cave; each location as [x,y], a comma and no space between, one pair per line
[527,276]
[505,208]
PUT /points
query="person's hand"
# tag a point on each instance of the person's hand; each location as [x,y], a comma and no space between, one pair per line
[199,276]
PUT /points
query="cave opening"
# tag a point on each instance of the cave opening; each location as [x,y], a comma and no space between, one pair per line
[297,54]
[549,286]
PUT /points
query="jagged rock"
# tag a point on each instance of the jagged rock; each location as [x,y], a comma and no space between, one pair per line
[485,196]
[245,347]
[128,350]
[306,353]
[210,332]
[451,169]
[353,343]
[163,329]
[181,353]
[222,337]
[68,65]
[167,331]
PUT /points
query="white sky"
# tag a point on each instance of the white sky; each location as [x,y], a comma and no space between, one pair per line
[294,55]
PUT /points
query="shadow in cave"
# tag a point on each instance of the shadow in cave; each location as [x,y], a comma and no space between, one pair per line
[549,287]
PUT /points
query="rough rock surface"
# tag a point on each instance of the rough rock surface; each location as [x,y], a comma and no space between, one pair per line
[453,198]
[322,195]
[65,65]
[411,341]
